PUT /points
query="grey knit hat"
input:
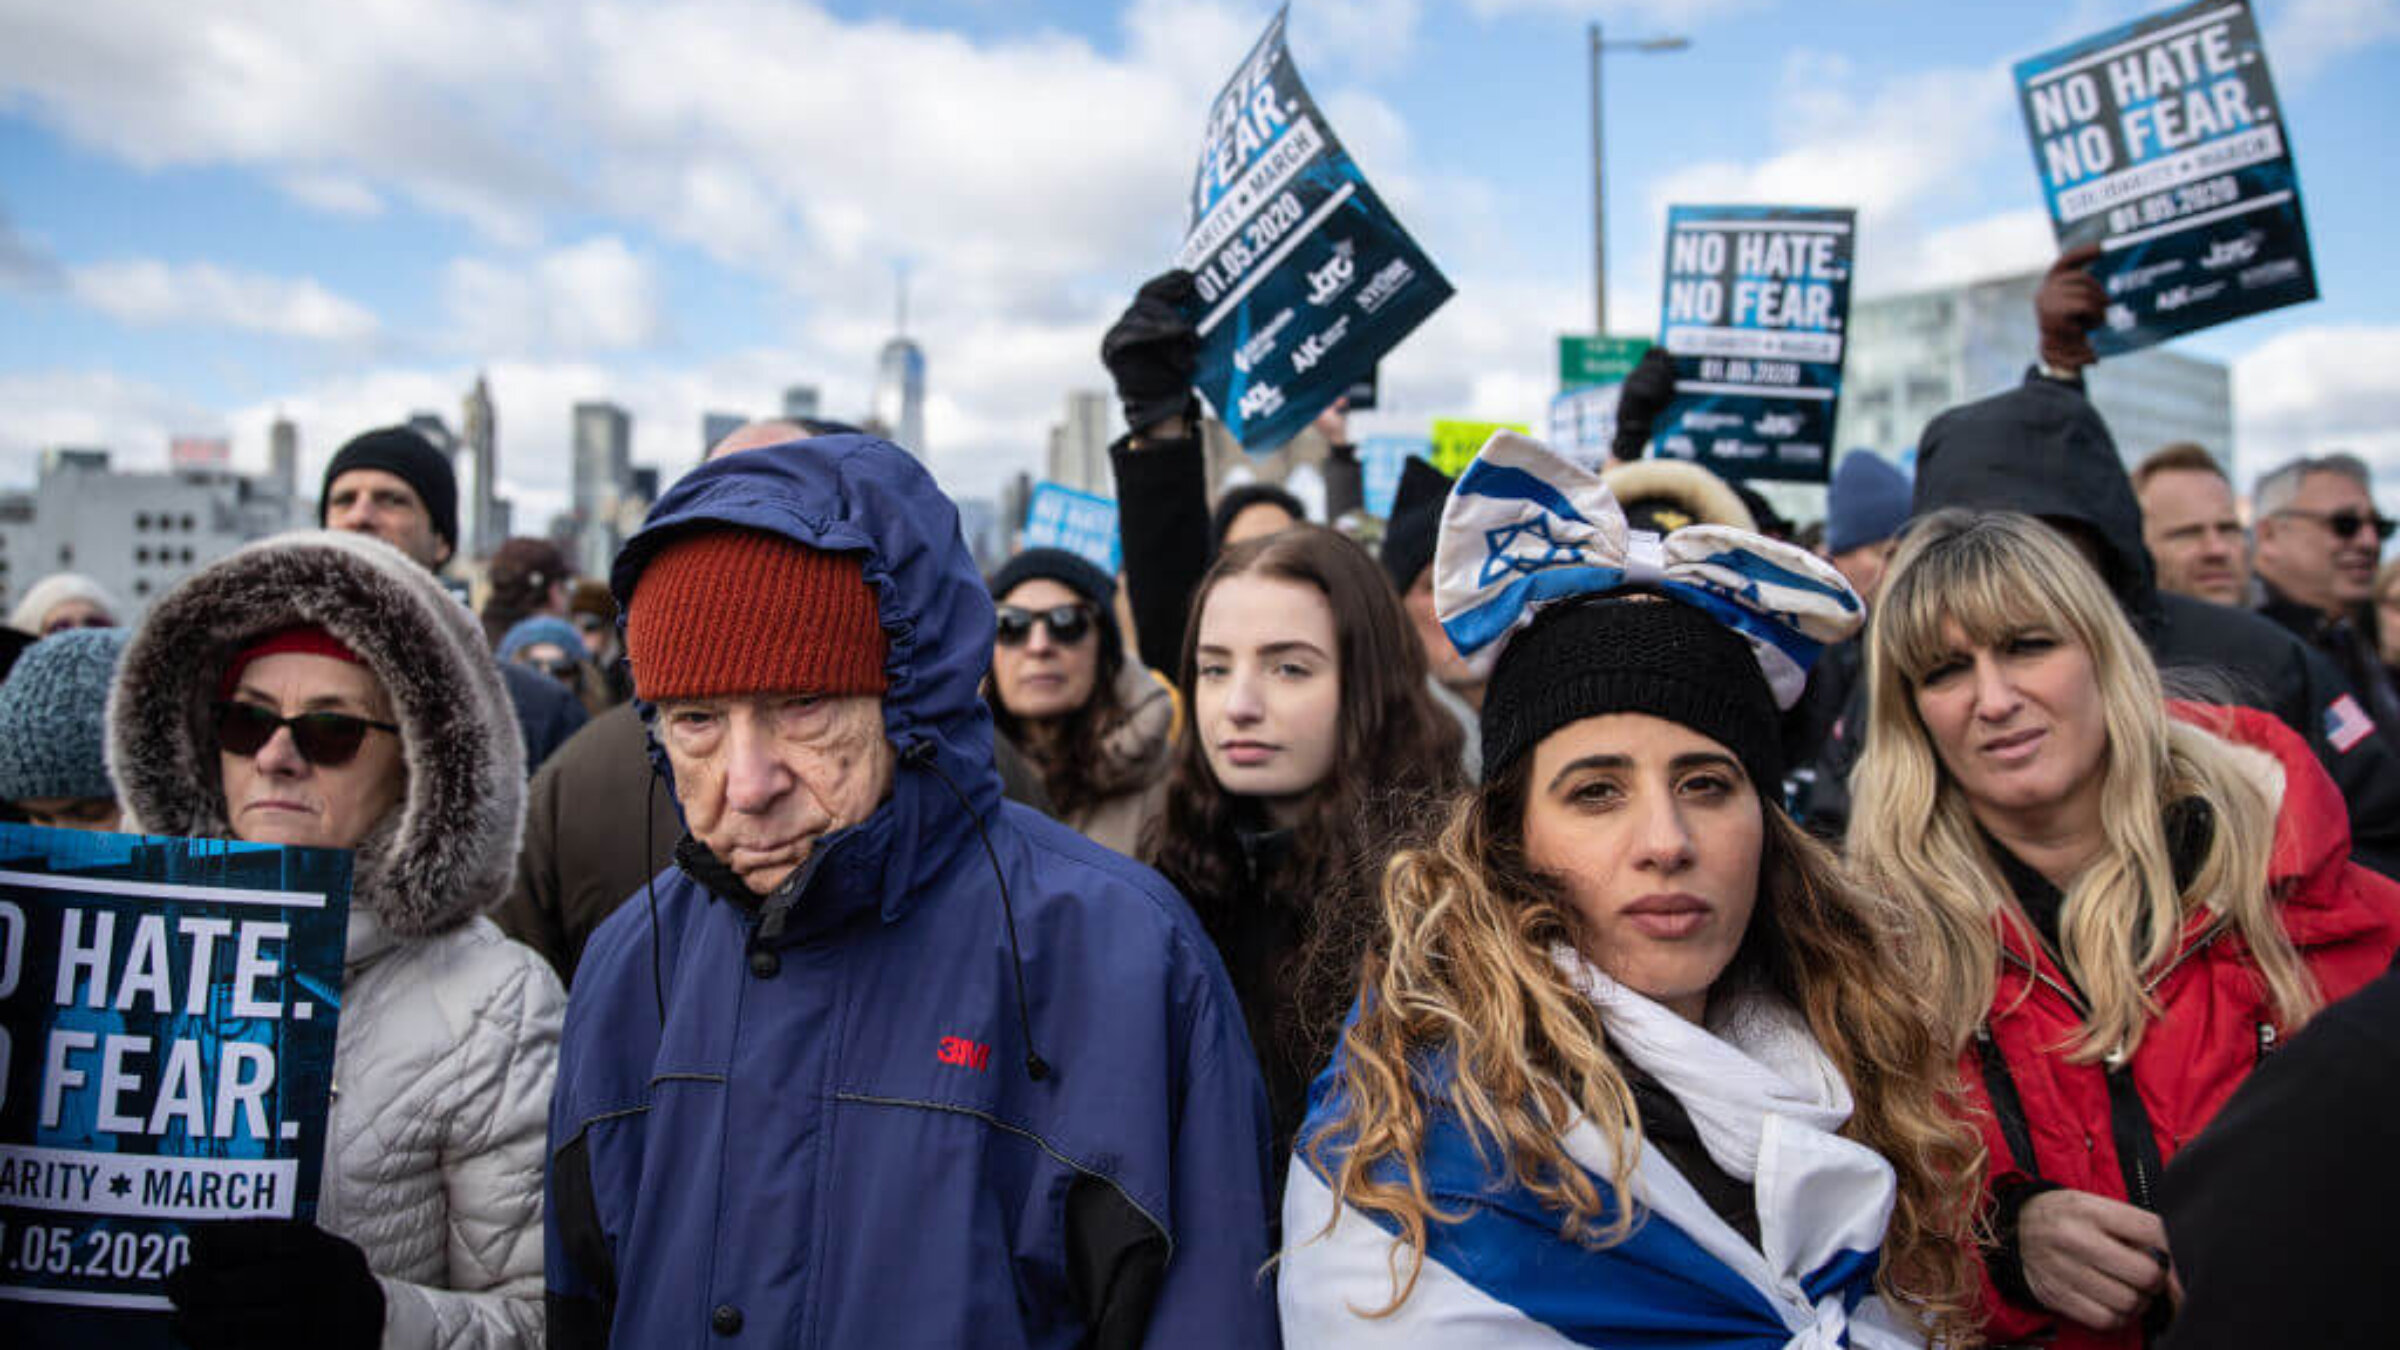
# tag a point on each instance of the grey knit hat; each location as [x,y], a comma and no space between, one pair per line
[52,723]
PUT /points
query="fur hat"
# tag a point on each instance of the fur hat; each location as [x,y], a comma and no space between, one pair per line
[52,716]
[1663,495]
[412,459]
[448,851]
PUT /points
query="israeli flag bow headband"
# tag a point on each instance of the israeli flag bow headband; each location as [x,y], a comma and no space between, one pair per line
[1524,528]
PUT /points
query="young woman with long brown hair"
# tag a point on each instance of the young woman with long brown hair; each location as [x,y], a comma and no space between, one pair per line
[1308,741]
[1632,1061]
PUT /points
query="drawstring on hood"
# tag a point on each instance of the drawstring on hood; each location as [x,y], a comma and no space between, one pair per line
[920,756]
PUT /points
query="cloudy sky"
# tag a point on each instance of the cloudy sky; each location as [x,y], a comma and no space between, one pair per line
[209,213]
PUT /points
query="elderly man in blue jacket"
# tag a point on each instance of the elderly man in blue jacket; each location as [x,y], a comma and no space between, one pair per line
[881,1060]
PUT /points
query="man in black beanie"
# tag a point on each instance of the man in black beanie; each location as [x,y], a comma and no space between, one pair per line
[392,483]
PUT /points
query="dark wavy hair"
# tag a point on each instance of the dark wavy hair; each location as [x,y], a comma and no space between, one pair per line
[1076,768]
[1396,764]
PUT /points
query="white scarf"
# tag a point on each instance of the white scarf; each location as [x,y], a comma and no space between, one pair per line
[1766,1102]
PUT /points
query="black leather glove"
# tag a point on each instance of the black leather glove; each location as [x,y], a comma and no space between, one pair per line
[252,1284]
[1153,351]
[2067,306]
[1649,388]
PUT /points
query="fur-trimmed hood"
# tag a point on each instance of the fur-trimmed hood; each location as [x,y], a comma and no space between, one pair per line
[448,852]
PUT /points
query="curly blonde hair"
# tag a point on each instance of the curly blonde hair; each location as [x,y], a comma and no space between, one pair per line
[1914,834]
[1462,976]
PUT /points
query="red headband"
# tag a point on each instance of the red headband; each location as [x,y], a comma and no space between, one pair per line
[307,639]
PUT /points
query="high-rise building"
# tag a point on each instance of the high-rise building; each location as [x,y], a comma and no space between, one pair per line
[1079,444]
[900,394]
[1911,356]
[799,403]
[603,454]
[135,533]
[485,529]
[283,456]
[716,426]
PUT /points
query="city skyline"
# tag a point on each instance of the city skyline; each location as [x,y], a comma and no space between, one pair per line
[350,221]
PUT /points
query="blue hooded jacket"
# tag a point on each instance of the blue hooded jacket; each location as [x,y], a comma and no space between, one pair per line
[829,1126]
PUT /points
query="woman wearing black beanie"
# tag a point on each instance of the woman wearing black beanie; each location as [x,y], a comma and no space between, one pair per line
[1629,1054]
[1096,727]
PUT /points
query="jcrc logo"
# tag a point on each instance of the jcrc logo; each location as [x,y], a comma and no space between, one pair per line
[1261,400]
[2233,252]
[1779,425]
[1325,284]
[2120,318]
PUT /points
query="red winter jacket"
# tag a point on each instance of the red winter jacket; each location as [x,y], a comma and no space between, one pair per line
[2214,1021]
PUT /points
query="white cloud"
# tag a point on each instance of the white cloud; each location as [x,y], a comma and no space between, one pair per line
[333,193]
[1649,17]
[150,293]
[594,296]
[2307,35]
[2318,389]
[132,418]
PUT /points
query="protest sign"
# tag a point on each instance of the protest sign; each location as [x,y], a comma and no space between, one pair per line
[1756,301]
[1591,374]
[1380,460]
[1305,278]
[1057,516]
[2159,140]
[167,1019]
[1455,442]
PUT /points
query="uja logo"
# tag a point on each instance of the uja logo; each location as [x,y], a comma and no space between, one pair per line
[1778,424]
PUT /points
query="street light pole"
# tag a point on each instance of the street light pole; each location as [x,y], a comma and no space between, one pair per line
[1600,164]
[1599,200]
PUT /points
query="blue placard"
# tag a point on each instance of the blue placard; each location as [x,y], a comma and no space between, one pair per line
[1380,459]
[2161,141]
[1305,278]
[1079,522]
[1757,302]
[168,1010]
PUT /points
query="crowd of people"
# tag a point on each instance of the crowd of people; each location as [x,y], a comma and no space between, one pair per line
[1599,912]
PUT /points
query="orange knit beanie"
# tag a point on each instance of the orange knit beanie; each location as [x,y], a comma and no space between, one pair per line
[733,612]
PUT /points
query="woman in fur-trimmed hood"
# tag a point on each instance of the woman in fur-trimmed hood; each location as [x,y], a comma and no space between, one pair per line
[428,1229]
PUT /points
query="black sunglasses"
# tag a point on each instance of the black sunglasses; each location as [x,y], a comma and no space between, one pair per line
[1067,624]
[2346,522]
[326,739]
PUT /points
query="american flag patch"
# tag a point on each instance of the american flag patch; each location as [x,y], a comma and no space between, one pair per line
[2346,723]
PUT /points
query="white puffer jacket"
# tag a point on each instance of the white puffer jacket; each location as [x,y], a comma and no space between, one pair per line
[448,1042]
[442,1077]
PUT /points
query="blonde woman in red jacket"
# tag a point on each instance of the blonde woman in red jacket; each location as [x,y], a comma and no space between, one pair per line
[2125,903]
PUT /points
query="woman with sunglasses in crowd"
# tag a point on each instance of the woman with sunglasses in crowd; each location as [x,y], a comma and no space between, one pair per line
[1094,725]
[2125,903]
[1307,742]
[322,689]
[1632,1062]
